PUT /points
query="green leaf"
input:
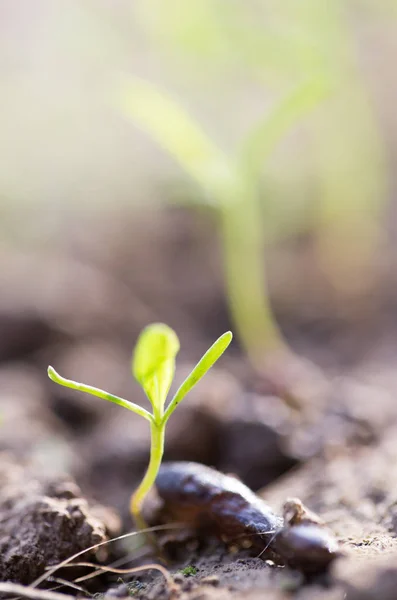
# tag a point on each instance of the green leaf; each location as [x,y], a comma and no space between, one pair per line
[88,389]
[171,126]
[204,364]
[268,132]
[153,364]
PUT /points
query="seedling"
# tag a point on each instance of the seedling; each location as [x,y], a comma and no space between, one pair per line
[153,366]
[230,185]
[189,571]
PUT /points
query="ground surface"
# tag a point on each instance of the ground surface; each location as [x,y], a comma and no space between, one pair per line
[80,312]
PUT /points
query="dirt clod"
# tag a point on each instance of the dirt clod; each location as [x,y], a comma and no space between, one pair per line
[43,521]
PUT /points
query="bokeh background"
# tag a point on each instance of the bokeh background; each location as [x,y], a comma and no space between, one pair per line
[212,164]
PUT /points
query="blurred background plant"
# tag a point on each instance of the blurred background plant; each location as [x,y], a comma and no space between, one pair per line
[301,53]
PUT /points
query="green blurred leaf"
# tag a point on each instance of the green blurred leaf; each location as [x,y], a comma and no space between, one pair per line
[153,364]
[223,35]
[204,364]
[274,126]
[176,132]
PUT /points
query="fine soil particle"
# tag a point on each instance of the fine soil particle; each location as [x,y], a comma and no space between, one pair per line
[43,521]
[221,574]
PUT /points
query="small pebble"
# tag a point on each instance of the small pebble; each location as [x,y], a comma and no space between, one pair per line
[211,580]
[121,591]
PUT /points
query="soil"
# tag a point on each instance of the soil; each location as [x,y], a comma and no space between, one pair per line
[69,463]
[44,520]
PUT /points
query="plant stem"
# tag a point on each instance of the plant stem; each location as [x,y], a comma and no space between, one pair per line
[243,247]
[157,431]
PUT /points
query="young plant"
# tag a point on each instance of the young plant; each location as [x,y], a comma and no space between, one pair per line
[153,366]
[230,185]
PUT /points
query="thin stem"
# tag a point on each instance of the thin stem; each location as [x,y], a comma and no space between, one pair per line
[148,567]
[81,387]
[158,406]
[157,431]
[246,283]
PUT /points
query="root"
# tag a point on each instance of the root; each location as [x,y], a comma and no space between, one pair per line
[15,589]
[65,562]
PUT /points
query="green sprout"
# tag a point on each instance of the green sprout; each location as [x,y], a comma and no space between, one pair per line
[189,571]
[153,366]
